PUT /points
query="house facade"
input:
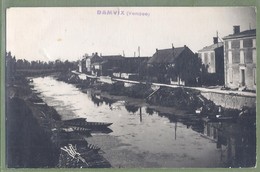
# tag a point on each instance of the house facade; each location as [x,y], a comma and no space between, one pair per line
[240,59]
[174,65]
[92,62]
[212,58]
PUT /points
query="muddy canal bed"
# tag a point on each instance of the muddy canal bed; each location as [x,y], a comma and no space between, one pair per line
[143,137]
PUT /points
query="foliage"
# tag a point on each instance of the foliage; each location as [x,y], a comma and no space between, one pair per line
[39,65]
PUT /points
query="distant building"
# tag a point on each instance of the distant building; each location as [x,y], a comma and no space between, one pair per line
[90,64]
[134,64]
[82,65]
[212,57]
[240,59]
[93,63]
[174,65]
[111,64]
[133,68]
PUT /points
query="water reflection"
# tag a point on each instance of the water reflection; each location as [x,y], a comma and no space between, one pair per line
[236,141]
[192,141]
[149,111]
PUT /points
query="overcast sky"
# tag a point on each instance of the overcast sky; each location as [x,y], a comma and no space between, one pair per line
[68,33]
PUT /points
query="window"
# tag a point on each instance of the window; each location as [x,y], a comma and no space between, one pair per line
[199,55]
[254,75]
[209,58]
[241,43]
[229,44]
[212,61]
[242,57]
[202,58]
[206,58]
[254,56]
[236,56]
[230,57]
[230,75]
[247,43]
[249,56]
[235,44]
[254,43]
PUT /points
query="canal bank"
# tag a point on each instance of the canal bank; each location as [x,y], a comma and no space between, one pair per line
[34,135]
[230,99]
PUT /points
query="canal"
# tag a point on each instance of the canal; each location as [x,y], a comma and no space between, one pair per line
[142,137]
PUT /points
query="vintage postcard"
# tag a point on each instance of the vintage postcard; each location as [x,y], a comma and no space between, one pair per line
[130,87]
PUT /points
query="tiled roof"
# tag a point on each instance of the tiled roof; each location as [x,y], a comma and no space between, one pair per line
[166,55]
[212,47]
[245,33]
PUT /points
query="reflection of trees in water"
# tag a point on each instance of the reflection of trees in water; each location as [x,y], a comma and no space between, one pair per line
[236,141]
[108,101]
[96,100]
[171,117]
[131,108]
[149,111]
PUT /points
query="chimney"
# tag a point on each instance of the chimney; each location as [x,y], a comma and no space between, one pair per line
[215,40]
[172,46]
[96,53]
[236,29]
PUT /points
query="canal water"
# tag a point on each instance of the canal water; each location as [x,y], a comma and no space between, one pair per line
[142,137]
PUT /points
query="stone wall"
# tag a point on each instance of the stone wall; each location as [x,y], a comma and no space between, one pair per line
[232,101]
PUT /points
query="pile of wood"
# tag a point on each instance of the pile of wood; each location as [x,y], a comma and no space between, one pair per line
[80,156]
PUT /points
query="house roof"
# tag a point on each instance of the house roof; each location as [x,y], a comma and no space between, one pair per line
[136,58]
[245,33]
[166,55]
[94,58]
[112,57]
[212,47]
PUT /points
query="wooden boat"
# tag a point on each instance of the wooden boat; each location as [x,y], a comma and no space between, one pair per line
[220,118]
[81,122]
[76,129]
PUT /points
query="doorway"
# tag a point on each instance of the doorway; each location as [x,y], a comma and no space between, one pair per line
[242,77]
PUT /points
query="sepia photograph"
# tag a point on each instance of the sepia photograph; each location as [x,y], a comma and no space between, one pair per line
[130,87]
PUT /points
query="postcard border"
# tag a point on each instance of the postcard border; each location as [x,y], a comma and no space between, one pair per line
[124,3]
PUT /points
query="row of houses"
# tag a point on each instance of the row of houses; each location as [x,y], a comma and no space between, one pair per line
[110,65]
[230,62]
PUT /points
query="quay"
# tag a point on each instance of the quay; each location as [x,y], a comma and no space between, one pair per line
[225,98]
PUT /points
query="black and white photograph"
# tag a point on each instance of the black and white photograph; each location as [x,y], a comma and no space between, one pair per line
[130,87]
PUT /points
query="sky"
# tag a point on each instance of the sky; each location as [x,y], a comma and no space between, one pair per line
[67,33]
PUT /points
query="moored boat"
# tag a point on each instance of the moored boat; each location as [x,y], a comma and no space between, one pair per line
[82,122]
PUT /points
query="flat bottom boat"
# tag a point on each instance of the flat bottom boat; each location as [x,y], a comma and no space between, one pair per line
[82,122]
